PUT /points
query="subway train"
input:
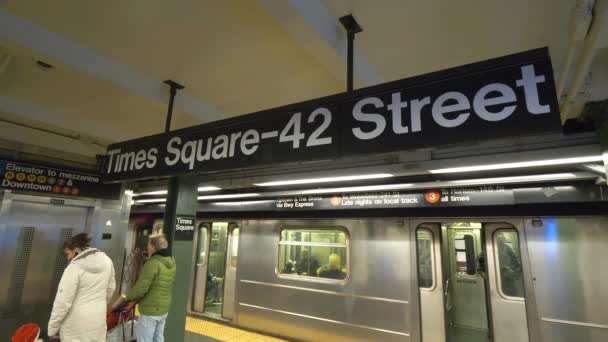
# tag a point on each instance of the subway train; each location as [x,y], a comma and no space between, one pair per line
[352,276]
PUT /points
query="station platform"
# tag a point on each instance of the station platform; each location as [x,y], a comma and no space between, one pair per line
[200,330]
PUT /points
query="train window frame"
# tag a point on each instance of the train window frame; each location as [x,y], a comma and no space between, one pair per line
[306,278]
[475,251]
[499,286]
[233,254]
[433,261]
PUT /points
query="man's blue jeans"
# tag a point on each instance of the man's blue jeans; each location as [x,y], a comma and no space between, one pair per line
[151,328]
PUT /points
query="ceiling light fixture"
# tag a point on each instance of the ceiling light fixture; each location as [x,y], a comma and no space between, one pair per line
[326,179]
[164,192]
[151,193]
[515,179]
[151,200]
[242,203]
[515,165]
[364,188]
[596,168]
[208,188]
[226,196]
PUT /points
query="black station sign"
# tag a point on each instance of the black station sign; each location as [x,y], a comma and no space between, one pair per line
[502,97]
[184,228]
[27,177]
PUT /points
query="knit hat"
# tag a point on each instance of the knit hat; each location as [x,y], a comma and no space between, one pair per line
[26,333]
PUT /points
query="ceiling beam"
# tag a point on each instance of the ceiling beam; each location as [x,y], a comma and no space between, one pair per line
[318,31]
[36,38]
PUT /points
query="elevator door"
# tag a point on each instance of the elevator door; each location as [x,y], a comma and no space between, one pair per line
[30,247]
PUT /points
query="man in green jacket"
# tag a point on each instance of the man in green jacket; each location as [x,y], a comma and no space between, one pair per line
[153,291]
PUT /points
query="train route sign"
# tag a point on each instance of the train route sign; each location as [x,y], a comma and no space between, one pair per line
[507,96]
[35,178]
[475,196]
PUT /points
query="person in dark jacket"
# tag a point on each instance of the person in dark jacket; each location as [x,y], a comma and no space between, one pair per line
[153,291]
[308,264]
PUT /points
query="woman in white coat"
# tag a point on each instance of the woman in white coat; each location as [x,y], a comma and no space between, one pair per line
[85,289]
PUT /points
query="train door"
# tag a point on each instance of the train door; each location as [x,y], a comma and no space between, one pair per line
[215,271]
[467,311]
[430,282]
[231,261]
[473,282]
[505,277]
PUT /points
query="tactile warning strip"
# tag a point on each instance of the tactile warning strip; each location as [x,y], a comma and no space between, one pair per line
[225,333]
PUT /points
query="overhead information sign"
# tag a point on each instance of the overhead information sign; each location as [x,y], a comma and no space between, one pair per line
[35,178]
[474,196]
[507,96]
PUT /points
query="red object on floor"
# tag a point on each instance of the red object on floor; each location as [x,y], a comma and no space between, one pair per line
[26,333]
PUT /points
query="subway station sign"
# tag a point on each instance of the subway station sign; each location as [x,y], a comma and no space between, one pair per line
[52,181]
[508,96]
[184,228]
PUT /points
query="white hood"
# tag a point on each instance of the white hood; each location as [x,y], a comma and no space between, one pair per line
[91,260]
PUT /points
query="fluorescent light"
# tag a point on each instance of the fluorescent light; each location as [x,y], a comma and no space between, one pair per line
[241,203]
[595,167]
[515,179]
[151,200]
[208,188]
[164,192]
[562,188]
[534,163]
[357,189]
[227,196]
[151,193]
[326,179]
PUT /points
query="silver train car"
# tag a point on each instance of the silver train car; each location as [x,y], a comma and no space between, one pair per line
[432,279]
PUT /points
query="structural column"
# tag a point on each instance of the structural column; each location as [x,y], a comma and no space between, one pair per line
[181,202]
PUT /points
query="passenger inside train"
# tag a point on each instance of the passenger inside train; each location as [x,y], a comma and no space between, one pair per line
[214,289]
[308,264]
[333,269]
[510,264]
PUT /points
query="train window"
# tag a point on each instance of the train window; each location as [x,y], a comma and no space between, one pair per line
[464,249]
[313,253]
[508,261]
[234,247]
[201,254]
[424,238]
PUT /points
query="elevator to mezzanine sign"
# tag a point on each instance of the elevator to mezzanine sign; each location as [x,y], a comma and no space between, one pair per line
[507,96]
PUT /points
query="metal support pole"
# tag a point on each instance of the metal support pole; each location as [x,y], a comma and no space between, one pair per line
[349,63]
[352,28]
[173,88]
